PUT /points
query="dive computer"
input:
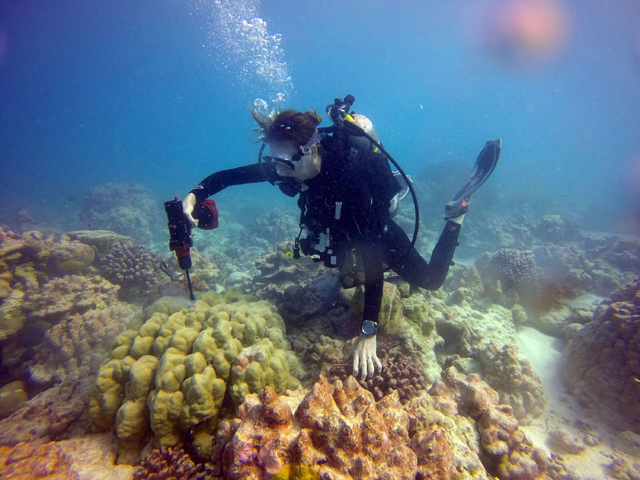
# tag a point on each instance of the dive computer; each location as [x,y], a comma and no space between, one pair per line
[369,328]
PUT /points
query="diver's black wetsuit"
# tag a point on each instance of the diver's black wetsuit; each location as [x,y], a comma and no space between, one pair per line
[360,181]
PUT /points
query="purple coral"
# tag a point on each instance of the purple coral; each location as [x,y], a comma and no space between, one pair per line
[399,372]
[171,463]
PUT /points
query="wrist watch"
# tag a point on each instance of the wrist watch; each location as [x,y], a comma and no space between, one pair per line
[369,328]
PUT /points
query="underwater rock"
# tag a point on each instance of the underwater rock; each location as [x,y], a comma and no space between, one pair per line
[12,396]
[301,303]
[57,413]
[25,460]
[279,270]
[602,362]
[564,441]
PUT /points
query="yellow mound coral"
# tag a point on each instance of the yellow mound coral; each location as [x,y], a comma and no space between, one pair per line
[171,368]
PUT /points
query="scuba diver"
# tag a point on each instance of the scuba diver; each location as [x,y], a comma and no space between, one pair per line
[346,188]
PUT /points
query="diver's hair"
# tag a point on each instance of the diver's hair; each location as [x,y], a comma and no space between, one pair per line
[289,125]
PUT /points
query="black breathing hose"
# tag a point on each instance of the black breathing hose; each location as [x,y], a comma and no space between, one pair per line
[357,131]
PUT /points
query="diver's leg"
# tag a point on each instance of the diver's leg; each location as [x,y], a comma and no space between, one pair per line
[415,269]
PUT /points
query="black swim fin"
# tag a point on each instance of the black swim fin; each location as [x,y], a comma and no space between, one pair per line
[482,170]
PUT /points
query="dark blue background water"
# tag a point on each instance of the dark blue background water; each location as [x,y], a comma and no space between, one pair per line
[148,91]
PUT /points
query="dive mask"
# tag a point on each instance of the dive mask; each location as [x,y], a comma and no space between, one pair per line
[287,159]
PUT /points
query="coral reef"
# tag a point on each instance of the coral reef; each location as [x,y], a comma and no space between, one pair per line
[513,379]
[279,270]
[102,241]
[557,229]
[275,227]
[74,346]
[602,362]
[69,295]
[170,370]
[510,453]
[125,208]
[339,431]
[135,268]
[34,309]
[168,463]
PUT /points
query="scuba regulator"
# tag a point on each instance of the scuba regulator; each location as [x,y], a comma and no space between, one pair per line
[180,236]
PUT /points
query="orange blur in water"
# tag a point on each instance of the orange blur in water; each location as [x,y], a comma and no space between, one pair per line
[528,30]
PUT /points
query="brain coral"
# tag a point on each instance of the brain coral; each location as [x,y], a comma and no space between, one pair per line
[170,370]
[602,362]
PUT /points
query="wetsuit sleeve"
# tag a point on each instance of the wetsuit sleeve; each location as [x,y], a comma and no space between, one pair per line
[369,247]
[235,176]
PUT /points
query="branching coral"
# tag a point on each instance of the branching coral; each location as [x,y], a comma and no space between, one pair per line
[134,267]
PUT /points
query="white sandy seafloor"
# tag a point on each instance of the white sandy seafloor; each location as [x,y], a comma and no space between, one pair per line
[563,411]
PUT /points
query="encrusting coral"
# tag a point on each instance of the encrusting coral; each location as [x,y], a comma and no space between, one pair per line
[171,369]
[25,460]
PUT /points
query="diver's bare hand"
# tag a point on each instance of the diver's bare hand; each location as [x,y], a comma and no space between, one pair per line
[365,359]
[187,207]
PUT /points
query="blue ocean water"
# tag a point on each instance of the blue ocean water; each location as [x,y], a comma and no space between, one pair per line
[158,92]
